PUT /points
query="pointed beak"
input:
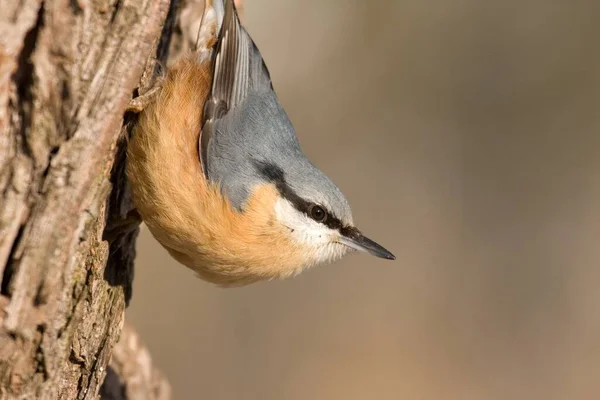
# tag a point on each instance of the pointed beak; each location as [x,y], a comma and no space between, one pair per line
[353,238]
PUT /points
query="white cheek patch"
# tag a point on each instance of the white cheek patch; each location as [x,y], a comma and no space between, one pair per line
[319,242]
[303,229]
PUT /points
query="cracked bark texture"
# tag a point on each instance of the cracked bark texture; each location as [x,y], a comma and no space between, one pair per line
[68,69]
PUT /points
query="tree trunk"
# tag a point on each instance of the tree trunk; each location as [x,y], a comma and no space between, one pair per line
[68,69]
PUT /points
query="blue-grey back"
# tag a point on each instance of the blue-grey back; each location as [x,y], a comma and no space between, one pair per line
[245,126]
[259,132]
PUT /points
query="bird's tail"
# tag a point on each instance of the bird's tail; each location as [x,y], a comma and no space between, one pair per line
[210,25]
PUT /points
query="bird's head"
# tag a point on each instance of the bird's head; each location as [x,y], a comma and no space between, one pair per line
[316,213]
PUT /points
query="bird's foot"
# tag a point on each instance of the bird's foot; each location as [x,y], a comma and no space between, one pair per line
[139,103]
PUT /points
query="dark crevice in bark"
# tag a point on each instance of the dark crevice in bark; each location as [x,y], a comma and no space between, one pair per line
[40,298]
[91,377]
[117,8]
[24,77]
[39,354]
[112,388]
[162,50]
[9,269]
[75,7]
[119,269]
[51,155]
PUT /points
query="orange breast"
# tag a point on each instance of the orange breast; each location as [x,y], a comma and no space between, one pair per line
[188,215]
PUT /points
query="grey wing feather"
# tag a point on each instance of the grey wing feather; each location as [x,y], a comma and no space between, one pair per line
[238,72]
[230,77]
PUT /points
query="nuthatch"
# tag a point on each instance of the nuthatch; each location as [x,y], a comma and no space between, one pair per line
[217,173]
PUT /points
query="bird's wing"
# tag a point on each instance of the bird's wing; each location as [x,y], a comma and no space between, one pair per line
[238,69]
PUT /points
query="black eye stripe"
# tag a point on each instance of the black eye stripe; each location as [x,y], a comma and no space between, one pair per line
[275,174]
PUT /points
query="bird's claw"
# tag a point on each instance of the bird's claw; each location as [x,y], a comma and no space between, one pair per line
[139,103]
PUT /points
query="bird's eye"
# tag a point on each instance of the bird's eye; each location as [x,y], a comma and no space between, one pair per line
[317,213]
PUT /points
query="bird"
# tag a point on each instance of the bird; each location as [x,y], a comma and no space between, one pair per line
[217,173]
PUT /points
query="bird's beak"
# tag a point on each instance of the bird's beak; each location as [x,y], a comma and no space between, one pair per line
[353,238]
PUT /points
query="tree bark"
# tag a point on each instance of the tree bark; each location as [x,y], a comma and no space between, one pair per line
[68,69]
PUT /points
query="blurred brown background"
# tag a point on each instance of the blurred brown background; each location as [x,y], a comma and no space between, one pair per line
[465,135]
